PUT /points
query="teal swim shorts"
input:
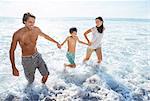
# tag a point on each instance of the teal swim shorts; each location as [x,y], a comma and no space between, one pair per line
[71,57]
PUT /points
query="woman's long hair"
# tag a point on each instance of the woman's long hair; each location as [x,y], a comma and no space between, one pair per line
[101,28]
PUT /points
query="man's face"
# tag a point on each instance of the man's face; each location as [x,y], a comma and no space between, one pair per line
[30,23]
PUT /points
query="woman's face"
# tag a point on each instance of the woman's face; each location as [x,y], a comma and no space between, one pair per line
[98,22]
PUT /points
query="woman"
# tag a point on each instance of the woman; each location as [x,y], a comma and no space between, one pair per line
[95,43]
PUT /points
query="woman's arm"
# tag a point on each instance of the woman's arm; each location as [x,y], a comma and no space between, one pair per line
[85,35]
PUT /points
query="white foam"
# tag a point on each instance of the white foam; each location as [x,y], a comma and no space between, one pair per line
[123,74]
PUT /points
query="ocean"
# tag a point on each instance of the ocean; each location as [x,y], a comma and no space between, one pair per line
[123,75]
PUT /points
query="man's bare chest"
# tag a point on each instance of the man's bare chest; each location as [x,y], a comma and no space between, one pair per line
[28,38]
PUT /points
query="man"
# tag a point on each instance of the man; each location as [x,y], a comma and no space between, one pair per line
[31,59]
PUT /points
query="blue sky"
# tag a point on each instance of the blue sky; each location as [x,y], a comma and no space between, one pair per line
[76,8]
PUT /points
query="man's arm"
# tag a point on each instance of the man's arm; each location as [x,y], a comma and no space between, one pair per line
[49,38]
[46,36]
[65,41]
[12,54]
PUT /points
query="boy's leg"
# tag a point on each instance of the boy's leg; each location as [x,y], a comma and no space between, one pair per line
[71,58]
[99,55]
[70,65]
[88,54]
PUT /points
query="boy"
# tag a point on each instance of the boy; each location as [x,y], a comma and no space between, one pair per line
[71,40]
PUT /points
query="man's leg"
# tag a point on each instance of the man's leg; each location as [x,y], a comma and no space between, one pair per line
[29,76]
[29,69]
[99,55]
[42,67]
[44,71]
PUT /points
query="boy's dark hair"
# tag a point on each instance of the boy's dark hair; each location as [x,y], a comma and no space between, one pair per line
[101,28]
[26,16]
[71,30]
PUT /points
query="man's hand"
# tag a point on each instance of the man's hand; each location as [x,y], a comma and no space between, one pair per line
[58,45]
[15,71]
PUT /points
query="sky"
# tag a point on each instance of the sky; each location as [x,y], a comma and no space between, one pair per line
[76,8]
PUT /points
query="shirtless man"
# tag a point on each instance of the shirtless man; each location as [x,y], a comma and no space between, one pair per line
[31,59]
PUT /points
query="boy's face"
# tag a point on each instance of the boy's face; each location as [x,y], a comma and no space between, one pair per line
[74,33]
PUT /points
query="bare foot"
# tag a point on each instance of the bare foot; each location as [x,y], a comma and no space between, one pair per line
[84,60]
[99,61]
[69,65]
[65,65]
[44,79]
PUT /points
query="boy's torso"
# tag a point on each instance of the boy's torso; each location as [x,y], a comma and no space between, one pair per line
[72,44]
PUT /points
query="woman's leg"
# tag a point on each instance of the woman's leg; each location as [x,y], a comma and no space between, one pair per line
[99,54]
[88,54]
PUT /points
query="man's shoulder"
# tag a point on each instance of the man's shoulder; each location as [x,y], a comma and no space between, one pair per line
[16,34]
[37,28]
[18,31]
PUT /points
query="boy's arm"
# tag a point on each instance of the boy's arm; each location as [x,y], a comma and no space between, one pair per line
[65,41]
[81,41]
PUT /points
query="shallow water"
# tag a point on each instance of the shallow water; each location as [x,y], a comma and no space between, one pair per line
[124,74]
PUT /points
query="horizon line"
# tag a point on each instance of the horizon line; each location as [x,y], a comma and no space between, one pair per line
[79,17]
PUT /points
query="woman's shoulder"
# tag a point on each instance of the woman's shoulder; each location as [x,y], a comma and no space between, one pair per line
[93,29]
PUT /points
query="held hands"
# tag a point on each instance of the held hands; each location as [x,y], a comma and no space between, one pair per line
[15,71]
[58,45]
[89,43]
